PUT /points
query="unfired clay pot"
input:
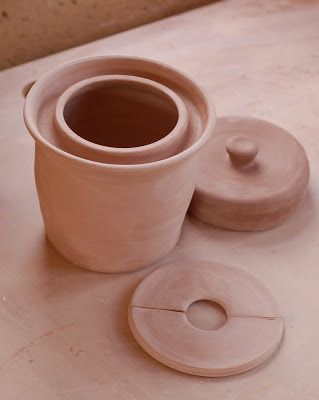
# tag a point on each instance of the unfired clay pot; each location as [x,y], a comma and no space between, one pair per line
[114,217]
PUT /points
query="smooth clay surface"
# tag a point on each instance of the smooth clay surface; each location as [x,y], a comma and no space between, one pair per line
[252,175]
[158,320]
[64,333]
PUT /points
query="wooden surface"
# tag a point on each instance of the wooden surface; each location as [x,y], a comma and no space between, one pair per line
[64,331]
[35,28]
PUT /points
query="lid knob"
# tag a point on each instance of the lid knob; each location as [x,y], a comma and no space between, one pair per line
[241,150]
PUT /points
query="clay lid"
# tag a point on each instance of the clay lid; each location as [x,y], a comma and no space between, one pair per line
[252,175]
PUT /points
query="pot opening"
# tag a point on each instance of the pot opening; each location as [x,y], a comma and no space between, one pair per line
[120,114]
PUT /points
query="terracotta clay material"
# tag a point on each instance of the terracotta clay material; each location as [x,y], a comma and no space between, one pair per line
[114,217]
[253,175]
[121,119]
[158,319]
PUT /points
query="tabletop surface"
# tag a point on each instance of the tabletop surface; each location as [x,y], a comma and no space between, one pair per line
[64,331]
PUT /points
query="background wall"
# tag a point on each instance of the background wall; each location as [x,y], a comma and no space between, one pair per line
[34,28]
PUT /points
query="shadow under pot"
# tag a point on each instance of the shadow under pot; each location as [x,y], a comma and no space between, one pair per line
[114,217]
[118,119]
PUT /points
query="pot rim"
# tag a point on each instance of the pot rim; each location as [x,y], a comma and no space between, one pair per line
[35,133]
[135,82]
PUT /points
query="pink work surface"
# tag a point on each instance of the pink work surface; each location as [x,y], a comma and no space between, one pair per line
[64,331]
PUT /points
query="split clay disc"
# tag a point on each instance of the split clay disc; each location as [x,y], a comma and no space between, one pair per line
[158,321]
[252,176]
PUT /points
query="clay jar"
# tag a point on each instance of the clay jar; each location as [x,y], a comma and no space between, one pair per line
[106,216]
[121,119]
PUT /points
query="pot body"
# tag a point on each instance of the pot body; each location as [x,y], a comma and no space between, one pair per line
[114,217]
[112,220]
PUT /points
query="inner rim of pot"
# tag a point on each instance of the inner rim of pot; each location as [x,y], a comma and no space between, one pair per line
[120,114]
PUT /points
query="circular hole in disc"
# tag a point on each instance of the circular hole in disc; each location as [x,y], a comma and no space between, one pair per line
[206,315]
